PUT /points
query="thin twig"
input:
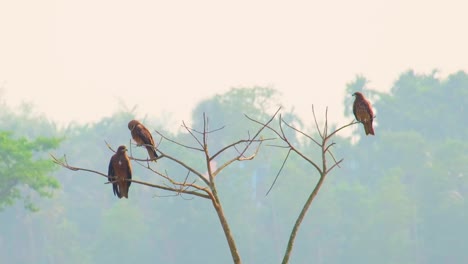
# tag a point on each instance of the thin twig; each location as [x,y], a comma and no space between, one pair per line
[337,164]
[175,183]
[241,153]
[302,133]
[325,127]
[177,143]
[269,127]
[190,132]
[240,157]
[345,126]
[237,143]
[279,172]
[198,174]
[315,120]
[331,154]
[172,189]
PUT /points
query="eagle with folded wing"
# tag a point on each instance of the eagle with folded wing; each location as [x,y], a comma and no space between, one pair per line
[143,137]
[362,110]
[120,170]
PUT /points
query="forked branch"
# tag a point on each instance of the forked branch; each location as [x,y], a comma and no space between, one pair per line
[322,167]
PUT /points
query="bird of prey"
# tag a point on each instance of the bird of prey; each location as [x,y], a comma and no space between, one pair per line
[362,110]
[119,170]
[142,137]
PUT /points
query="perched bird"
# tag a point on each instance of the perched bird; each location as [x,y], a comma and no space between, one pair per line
[362,110]
[142,137]
[119,170]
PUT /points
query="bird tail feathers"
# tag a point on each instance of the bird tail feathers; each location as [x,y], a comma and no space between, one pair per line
[369,128]
[152,153]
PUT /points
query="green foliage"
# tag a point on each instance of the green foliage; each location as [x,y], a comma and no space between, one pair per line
[23,168]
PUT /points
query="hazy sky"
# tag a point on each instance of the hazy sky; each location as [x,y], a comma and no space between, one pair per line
[75,59]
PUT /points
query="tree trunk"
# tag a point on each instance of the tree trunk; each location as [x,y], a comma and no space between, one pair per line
[227,231]
[292,238]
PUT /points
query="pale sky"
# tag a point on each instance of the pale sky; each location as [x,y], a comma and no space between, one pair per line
[74,60]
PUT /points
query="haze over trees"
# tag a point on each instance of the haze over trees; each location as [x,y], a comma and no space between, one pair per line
[399,197]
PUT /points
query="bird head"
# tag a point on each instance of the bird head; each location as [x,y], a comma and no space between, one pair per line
[357,94]
[122,149]
[132,124]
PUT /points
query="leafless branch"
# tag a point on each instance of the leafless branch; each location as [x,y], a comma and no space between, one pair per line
[180,144]
[109,146]
[209,131]
[205,134]
[190,130]
[331,153]
[181,163]
[262,128]
[322,169]
[342,127]
[323,172]
[237,143]
[172,189]
[65,164]
[316,123]
[302,133]
[244,148]
[277,146]
[183,184]
[267,126]
[336,164]
[279,172]
[240,157]
[143,145]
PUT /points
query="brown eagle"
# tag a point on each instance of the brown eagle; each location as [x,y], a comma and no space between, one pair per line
[120,169]
[362,110]
[142,137]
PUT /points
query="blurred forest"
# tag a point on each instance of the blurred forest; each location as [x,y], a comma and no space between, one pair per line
[399,197]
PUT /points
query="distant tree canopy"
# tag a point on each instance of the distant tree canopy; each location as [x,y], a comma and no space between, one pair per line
[23,168]
[229,110]
[256,101]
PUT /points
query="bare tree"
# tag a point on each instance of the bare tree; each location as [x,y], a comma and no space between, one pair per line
[245,149]
[323,167]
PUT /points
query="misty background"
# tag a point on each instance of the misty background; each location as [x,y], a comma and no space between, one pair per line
[399,197]
[72,74]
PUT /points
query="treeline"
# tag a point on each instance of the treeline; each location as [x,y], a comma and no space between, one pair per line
[399,197]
